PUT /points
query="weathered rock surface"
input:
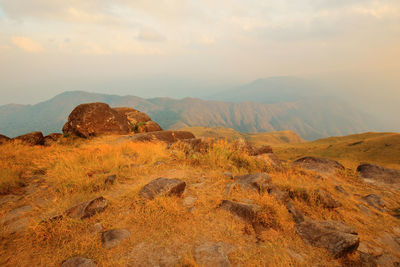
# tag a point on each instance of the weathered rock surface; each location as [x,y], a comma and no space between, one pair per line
[374,201]
[95,119]
[88,208]
[247,212]
[326,200]
[163,187]
[139,121]
[318,164]
[272,160]
[260,182]
[52,138]
[78,262]
[164,136]
[336,237]
[32,139]
[114,237]
[378,173]
[212,254]
[4,139]
[111,179]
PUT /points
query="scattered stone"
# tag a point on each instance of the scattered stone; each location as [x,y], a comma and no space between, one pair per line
[32,139]
[88,208]
[163,136]
[297,215]
[78,262]
[159,163]
[336,237]
[260,182]
[96,119]
[17,213]
[365,209]
[188,201]
[212,254]
[374,201]
[326,200]
[110,179]
[318,164]
[4,139]
[114,237]
[341,190]
[247,212]
[378,173]
[163,187]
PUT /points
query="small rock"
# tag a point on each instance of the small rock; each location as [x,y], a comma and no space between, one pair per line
[365,209]
[188,201]
[110,179]
[326,200]
[213,254]
[373,201]
[260,182]
[318,164]
[87,209]
[161,187]
[297,215]
[336,237]
[341,190]
[247,212]
[78,262]
[114,237]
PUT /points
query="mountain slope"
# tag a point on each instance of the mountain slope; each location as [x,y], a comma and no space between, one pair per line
[310,119]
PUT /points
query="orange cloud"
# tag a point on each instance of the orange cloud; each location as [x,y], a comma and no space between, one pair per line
[27,44]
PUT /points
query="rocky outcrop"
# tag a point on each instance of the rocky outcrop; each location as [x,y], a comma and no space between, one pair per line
[318,164]
[114,237]
[140,122]
[378,173]
[96,119]
[88,208]
[164,136]
[163,187]
[247,212]
[32,139]
[4,139]
[336,237]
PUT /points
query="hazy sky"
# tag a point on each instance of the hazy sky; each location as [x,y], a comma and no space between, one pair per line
[190,47]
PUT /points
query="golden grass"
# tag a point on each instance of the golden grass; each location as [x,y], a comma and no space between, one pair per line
[75,171]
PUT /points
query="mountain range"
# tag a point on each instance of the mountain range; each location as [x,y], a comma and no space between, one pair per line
[274,104]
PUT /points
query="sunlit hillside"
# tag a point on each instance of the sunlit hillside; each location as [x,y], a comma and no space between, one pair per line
[379,148]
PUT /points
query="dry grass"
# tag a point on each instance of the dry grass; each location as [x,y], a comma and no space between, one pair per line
[75,171]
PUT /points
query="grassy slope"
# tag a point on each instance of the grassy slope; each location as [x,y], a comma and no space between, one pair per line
[351,150]
[279,137]
[75,171]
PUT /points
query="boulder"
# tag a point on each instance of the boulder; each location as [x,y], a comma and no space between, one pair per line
[114,237]
[163,187]
[52,138]
[338,238]
[139,121]
[4,139]
[318,164]
[164,136]
[212,254]
[88,208]
[32,139]
[78,262]
[96,119]
[378,173]
[261,150]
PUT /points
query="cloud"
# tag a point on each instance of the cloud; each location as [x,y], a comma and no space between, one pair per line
[150,35]
[27,44]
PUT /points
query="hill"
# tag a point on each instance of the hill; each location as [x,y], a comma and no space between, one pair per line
[379,148]
[281,137]
[102,202]
[309,118]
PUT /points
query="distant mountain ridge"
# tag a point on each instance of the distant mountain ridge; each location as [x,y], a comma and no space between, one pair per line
[307,117]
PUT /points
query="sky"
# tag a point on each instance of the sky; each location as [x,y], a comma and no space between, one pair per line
[182,48]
